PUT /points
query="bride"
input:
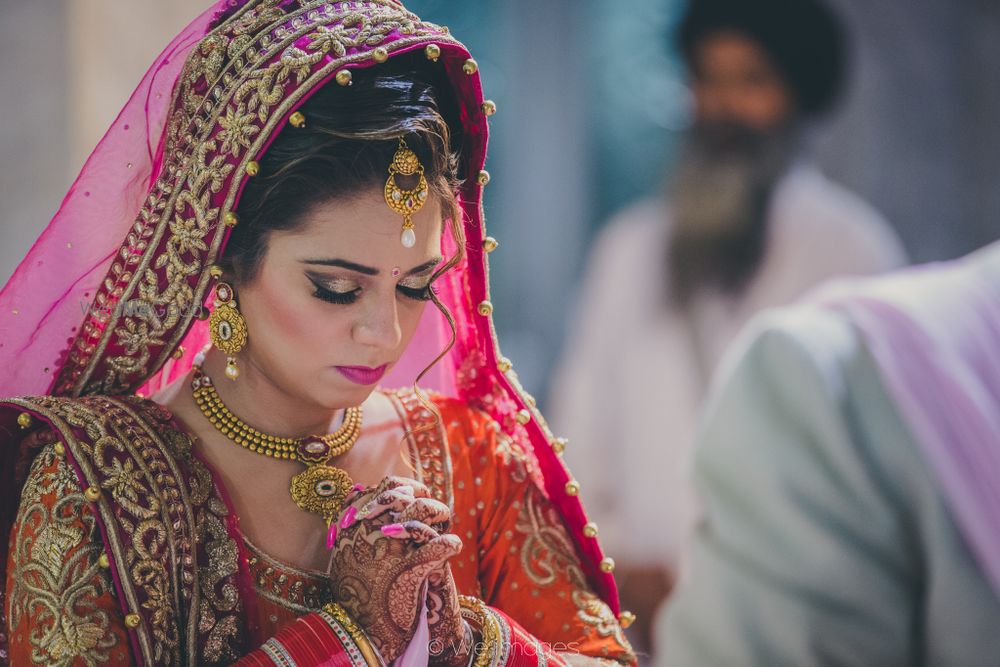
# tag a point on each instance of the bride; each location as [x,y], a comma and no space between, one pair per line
[204,464]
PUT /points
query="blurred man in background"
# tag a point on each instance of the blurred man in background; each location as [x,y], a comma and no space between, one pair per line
[747,223]
[849,475]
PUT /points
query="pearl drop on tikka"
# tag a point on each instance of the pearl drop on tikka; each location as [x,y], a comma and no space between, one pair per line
[408,238]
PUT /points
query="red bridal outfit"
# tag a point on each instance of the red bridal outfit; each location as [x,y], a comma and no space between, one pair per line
[122,544]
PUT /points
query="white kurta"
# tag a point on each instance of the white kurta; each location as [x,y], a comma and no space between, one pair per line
[826,537]
[629,389]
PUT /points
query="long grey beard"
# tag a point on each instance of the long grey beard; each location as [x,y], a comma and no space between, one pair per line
[720,196]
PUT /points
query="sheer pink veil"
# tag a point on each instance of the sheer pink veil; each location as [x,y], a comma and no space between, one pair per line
[109,247]
[49,294]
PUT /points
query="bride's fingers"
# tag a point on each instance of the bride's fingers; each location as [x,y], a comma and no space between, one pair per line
[429,511]
[417,532]
[439,549]
[418,489]
[396,501]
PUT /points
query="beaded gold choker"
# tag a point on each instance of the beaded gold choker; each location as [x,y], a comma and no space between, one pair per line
[320,488]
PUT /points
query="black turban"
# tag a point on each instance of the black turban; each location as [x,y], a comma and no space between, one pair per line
[804,39]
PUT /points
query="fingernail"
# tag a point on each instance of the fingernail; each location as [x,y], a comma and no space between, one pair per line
[393,529]
[349,516]
[358,487]
[331,536]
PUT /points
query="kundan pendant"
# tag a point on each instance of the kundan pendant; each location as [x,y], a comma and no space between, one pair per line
[321,489]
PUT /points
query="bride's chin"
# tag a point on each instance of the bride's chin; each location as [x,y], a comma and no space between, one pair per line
[340,397]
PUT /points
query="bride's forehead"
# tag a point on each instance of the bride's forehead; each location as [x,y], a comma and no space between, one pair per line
[363,227]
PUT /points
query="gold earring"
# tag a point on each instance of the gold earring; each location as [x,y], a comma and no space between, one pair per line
[406,202]
[227,327]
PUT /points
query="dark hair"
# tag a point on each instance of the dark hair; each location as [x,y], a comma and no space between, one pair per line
[805,39]
[348,140]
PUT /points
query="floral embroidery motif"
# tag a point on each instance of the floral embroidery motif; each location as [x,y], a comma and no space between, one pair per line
[547,554]
[428,445]
[164,521]
[56,569]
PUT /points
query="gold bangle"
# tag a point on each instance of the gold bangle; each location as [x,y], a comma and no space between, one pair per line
[369,652]
[477,613]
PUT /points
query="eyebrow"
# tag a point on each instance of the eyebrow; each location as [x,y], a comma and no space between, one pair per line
[368,270]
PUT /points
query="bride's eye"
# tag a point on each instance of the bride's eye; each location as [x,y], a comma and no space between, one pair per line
[342,297]
[415,292]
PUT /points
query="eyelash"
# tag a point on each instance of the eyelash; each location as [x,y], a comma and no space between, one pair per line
[347,298]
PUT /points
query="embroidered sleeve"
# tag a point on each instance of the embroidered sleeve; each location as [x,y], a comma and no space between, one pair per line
[61,606]
[527,563]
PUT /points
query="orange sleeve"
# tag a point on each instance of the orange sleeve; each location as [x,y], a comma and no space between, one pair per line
[61,608]
[526,562]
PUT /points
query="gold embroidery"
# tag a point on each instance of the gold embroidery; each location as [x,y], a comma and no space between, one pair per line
[56,569]
[298,590]
[548,553]
[131,452]
[428,445]
[223,629]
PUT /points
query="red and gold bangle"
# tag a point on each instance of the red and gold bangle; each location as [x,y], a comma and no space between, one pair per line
[490,650]
[350,634]
[321,638]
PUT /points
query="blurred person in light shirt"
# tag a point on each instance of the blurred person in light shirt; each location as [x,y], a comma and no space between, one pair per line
[747,223]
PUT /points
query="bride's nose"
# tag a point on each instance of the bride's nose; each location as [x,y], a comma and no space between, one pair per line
[378,324]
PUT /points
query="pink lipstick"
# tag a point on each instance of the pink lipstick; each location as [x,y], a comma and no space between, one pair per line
[362,374]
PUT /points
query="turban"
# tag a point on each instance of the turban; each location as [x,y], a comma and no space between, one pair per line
[803,38]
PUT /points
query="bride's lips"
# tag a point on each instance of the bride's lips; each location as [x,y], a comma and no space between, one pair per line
[362,374]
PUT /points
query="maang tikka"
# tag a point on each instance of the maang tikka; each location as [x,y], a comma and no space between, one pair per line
[227,327]
[406,202]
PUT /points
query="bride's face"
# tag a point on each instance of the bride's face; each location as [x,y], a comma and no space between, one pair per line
[336,301]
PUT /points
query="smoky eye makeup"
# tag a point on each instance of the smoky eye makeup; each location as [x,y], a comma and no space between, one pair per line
[335,291]
[344,292]
[418,292]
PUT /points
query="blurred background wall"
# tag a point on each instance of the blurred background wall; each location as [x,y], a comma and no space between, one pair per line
[591,100]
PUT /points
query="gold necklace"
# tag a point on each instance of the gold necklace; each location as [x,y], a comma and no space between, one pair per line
[320,488]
